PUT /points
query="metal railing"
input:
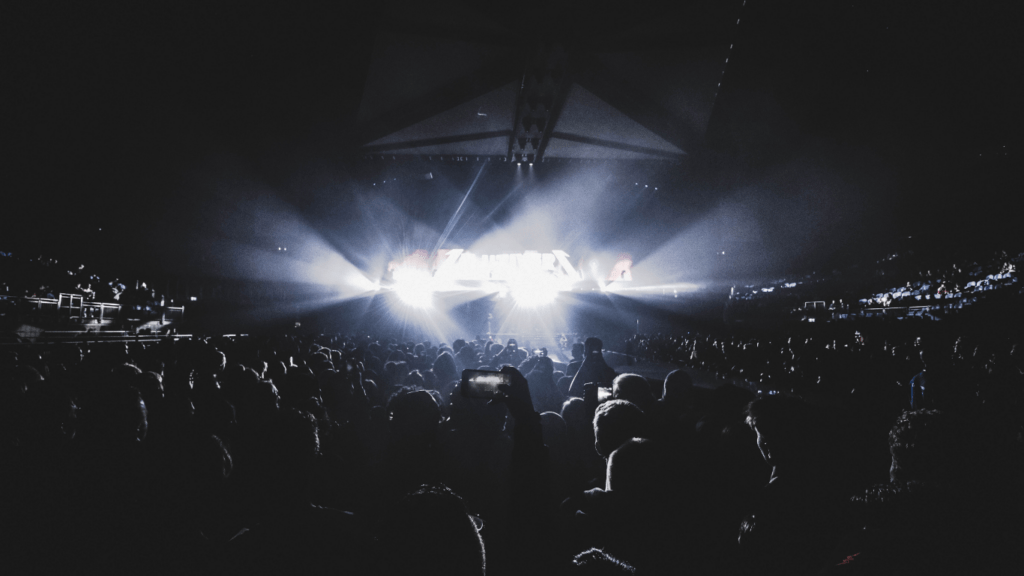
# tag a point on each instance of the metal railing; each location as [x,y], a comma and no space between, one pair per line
[73,307]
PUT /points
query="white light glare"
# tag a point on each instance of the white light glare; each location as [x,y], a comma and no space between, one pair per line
[414,288]
[535,291]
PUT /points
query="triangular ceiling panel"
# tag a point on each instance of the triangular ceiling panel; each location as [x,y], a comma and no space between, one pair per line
[451,82]
[586,116]
[560,148]
[494,146]
[485,115]
[405,67]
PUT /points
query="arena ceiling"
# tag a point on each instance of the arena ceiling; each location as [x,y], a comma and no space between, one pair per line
[535,84]
[836,123]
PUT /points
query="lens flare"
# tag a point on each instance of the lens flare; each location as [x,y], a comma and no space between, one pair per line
[534,291]
[414,288]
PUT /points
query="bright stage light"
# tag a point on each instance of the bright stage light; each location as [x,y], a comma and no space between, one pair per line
[536,291]
[416,296]
[534,296]
[414,288]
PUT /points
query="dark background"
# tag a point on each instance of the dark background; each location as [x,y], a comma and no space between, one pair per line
[134,134]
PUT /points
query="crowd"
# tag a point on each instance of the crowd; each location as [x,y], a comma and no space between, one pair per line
[24,282]
[42,277]
[359,455]
[926,286]
[878,448]
[952,288]
[871,362]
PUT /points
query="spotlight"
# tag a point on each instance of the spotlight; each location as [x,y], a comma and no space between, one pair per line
[415,296]
[414,288]
[534,297]
[534,292]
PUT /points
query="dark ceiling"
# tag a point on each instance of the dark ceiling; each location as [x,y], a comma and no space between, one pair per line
[115,115]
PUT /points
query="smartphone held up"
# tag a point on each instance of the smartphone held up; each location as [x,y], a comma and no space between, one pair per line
[483,383]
